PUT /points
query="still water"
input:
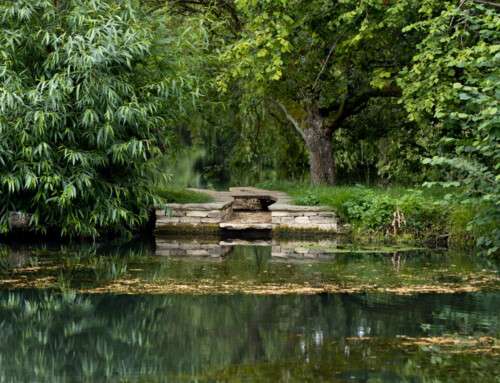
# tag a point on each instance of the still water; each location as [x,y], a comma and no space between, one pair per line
[70,315]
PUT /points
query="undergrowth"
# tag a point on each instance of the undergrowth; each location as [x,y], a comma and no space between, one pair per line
[398,212]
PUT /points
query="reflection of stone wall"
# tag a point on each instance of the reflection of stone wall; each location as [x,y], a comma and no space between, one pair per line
[193,214]
[304,217]
[292,250]
[166,247]
[304,250]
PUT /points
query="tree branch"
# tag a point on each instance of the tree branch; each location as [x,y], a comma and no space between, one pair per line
[323,67]
[340,110]
[356,104]
[487,3]
[290,118]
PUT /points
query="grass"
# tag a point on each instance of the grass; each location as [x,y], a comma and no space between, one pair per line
[338,197]
[180,195]
[371,211]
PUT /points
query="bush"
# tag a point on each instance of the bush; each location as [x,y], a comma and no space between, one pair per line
[410,213]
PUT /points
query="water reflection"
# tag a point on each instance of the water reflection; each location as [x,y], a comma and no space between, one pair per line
[49,336]
[222,338]
[245,266]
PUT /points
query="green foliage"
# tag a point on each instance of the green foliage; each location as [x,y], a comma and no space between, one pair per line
[97,106]
[452,90]
[284,46]
[88,90]
[378,146]
[376,211]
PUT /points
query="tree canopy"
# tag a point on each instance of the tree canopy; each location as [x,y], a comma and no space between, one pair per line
[318,63]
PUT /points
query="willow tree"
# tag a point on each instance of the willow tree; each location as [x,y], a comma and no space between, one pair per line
[318,63]
[86,96]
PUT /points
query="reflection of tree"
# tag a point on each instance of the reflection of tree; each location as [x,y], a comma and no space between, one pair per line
[397,259]
[67,337]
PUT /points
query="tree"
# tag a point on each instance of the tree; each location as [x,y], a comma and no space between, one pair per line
[318,63]
[452,91]
[88,92]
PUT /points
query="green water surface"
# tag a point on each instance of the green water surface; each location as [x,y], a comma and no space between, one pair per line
[55,328]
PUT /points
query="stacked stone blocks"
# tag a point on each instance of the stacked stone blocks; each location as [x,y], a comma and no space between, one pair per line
[194,214]
[303,217]
[218,214]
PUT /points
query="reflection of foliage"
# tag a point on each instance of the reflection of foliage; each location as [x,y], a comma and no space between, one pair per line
[72,265]
[56,338]
[108,268]
[250,268]
[458,362]
[4,261]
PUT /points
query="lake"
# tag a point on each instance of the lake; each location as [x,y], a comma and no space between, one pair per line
[225,310]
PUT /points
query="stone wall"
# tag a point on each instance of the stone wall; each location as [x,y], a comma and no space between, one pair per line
[250,202]
[303,218]
[213,216]
[193,214]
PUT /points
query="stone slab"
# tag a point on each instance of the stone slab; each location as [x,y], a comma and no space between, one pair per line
[19,220]
[245,226]
[302,220]
[295,208]
[210,220]
[196,213]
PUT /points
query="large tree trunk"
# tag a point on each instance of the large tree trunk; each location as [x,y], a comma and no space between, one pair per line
[318,140]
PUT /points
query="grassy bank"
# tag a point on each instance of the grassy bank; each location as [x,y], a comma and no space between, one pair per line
[182,195]
[397,213]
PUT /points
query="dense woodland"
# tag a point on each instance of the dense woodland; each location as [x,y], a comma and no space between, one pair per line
[105,104]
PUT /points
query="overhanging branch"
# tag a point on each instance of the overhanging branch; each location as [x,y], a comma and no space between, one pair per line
[355,104]
[323,67]
[290,118]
